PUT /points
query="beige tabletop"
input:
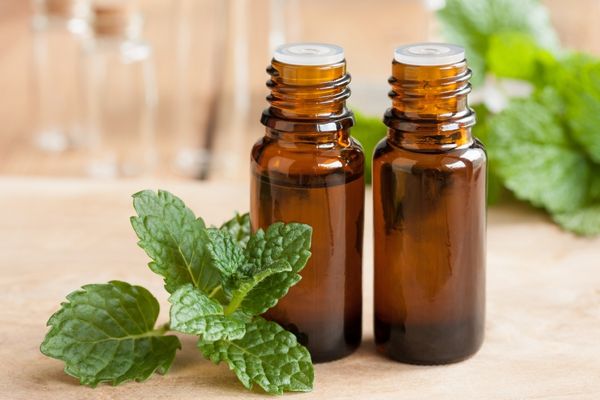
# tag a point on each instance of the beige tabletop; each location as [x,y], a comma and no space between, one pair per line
[543,327]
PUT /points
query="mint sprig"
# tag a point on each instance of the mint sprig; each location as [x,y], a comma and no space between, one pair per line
[220,280]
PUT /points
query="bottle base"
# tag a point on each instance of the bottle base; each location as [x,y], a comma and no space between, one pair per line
[436,344]
[334,355]
[326,347]
[403,358]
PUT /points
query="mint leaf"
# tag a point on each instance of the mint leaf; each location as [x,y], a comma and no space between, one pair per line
[580,85]
[175,240]
[239,228]
[517,55]
[535,158]
[289,242]
[584,221]
[472,23]
[281,242]
[195,313]
[595,183]
[244,294]
[105,333]
[267,355]
[227,256]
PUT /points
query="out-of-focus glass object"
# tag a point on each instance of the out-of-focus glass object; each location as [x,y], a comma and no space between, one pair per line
[58,27]
[199,31]
[121,94]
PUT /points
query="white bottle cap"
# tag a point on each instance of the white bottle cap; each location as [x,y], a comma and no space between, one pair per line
[429,54]
[309,54]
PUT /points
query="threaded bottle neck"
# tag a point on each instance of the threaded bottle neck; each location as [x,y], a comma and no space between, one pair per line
[308,98]
[429,109]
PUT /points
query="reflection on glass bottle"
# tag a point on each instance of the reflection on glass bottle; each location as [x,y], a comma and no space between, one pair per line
[58,27]
[121,94]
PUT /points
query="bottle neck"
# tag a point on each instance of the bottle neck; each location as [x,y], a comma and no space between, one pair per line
[429,109]
[323,140]
[307,100]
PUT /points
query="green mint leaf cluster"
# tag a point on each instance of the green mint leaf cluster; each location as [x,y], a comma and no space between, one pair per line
[220,281]
[544,148]
[106,333]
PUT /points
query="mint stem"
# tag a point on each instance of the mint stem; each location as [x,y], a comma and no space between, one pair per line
[164,328]
[214,292]
[234,304]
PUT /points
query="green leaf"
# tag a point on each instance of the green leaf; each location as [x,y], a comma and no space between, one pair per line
[267,355]
[194,313]
[175,240]
[595,183]
[584,221]
[239,228]
[105,333]
[368,131]
[517,55]
[472,23]
[281,242]
[580,86]
[289,242]
[227,255]
[535,158]
[254,302]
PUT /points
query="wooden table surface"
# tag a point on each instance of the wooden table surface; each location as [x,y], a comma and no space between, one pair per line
[542,334]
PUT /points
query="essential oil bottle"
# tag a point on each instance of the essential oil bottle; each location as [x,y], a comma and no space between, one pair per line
[429,189]
[308,169]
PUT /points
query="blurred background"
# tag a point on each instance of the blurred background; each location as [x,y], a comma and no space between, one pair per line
[174,89]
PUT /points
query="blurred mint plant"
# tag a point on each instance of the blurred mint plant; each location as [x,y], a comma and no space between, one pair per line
[544,147]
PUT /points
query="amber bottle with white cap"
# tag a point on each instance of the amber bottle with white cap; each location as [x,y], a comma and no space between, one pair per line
[429,188]
[308,169]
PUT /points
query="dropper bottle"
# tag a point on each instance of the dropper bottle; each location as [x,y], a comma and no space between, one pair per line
[307,168]
[429,197]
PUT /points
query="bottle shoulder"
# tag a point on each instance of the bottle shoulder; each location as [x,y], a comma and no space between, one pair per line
[272,155]
[471,156]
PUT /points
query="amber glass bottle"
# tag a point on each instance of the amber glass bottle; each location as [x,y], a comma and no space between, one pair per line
[429,188]
[308,169]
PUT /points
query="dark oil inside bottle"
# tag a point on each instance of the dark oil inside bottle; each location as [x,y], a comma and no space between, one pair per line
[429,193]
[429,294]
[324,309]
